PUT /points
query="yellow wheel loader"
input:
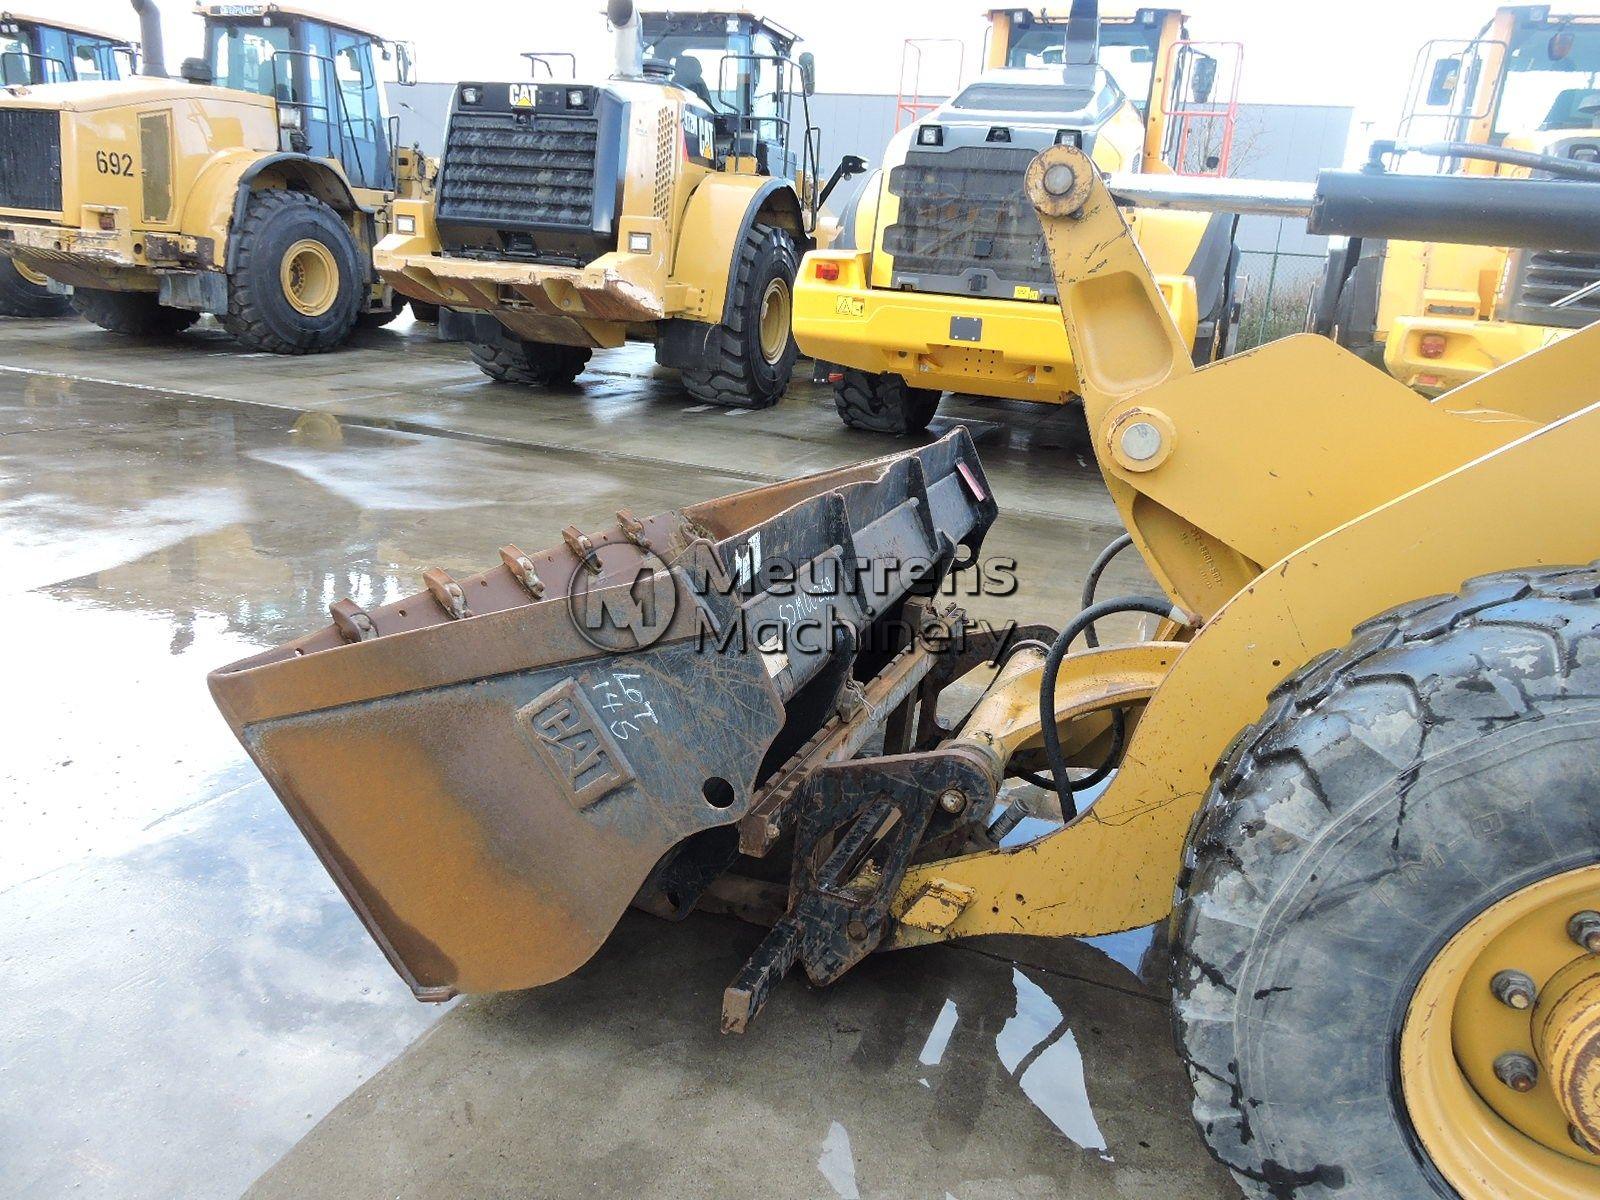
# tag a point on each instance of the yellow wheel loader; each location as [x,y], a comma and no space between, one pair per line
[670,203]
[47,50]
[253,188]
[940,282]
[1521,98]
[1352,767]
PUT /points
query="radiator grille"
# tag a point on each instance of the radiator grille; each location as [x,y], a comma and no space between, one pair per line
[1541,277]
[30,159]
[965,225]
[500,173]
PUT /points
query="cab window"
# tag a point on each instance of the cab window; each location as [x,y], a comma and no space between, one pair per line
[16,59]
[241,58]
[90,59]
[697,66]
[1552,79]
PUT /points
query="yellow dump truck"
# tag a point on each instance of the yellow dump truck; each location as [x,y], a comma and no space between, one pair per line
[940,282]
[35,50]
[1521,98]
[254,187]
[669,203]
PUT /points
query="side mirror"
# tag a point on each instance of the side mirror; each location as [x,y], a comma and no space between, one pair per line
[808,72]
[196,70]
[1442,84]
[405,64]
[1205,79]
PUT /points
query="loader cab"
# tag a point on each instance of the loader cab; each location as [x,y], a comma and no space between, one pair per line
[1183,94]
[34,52]
[1530,80]
[324,75]
[740,67]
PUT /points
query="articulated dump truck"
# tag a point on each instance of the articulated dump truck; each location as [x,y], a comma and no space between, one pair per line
[1352,766]
[254,187]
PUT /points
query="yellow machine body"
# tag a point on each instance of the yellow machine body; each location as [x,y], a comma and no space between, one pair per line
[1446,314]
[1272,569]
[688,191]
[153,173]
[853,308]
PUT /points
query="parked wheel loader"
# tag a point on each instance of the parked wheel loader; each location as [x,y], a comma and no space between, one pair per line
[670,203]
[253,188]
[1521,98]
[46,50]
[940,281]
[1350,766]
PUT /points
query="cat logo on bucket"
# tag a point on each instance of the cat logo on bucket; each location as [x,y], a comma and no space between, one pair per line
[522,95]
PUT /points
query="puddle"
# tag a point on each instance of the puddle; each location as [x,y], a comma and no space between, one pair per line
[1037,1041]
[939,1036]
[838,1163]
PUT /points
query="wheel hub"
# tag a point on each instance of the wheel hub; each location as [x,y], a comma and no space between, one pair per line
[310,277]
[1500,1055]
[775,320]
[28,273]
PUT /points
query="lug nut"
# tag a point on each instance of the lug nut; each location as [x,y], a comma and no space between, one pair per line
[1517,1071]
[1584,928]
[1514,990]
[953,801]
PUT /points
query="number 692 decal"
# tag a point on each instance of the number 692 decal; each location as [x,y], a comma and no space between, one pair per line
[109,162]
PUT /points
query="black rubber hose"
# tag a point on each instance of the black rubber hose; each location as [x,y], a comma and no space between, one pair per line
[1158,606]
[1091,581]
[1568,168]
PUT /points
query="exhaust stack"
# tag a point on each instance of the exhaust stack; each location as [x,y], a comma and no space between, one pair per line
[152,59]
[628,38]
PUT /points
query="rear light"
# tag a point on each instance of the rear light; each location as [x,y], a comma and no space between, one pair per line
[827,270]
[1433,345]
[835,376]
[108,221]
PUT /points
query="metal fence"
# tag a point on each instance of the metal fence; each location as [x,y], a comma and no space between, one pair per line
[1278,285]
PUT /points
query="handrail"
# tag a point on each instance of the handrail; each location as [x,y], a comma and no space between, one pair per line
[47,59]
[538,58]
[330,84]
[811,147]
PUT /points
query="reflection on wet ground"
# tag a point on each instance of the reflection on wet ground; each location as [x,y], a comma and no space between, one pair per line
[196,995]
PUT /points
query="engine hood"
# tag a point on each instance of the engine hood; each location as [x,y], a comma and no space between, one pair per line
[92,97]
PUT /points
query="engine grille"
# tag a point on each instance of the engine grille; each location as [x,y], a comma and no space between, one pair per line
[965,226]
[30,159]
[509,175]
[1541,277]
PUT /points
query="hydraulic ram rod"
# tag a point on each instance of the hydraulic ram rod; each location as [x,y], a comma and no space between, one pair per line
[1539,214]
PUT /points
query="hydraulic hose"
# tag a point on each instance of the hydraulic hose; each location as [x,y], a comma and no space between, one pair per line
[1158,606]
[1568,168]
[1092,581]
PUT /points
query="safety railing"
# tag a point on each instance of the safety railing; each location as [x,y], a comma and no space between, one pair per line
[783,96]
[348,151]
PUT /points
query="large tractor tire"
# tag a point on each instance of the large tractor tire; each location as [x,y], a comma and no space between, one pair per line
[26,295]
[1415,815]
[883,403]
[297,281]
[136,314]
[427,313]
[755,350]
[541,364]
[377,318]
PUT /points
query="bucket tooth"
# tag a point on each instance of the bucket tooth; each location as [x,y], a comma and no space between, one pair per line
[353,622]
[447,593]
[521,568]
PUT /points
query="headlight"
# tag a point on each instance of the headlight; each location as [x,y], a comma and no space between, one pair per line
[289,117]
[639,243]
[405,223]
[471,95]
[930,135]
[576,98]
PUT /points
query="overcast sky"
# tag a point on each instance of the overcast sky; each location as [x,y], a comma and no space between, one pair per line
[1353,52]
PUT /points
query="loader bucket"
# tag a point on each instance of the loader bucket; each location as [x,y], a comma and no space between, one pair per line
[493,768]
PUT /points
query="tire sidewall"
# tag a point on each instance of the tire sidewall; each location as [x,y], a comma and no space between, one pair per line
[773,256]
[1330,870]
[258,286]
[20,296]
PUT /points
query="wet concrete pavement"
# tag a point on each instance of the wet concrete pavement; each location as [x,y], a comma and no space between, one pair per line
[197,1003]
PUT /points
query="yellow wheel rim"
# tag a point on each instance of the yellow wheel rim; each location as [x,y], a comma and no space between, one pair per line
[310,277]
[30,274]
[1495,1130]
[775,320]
